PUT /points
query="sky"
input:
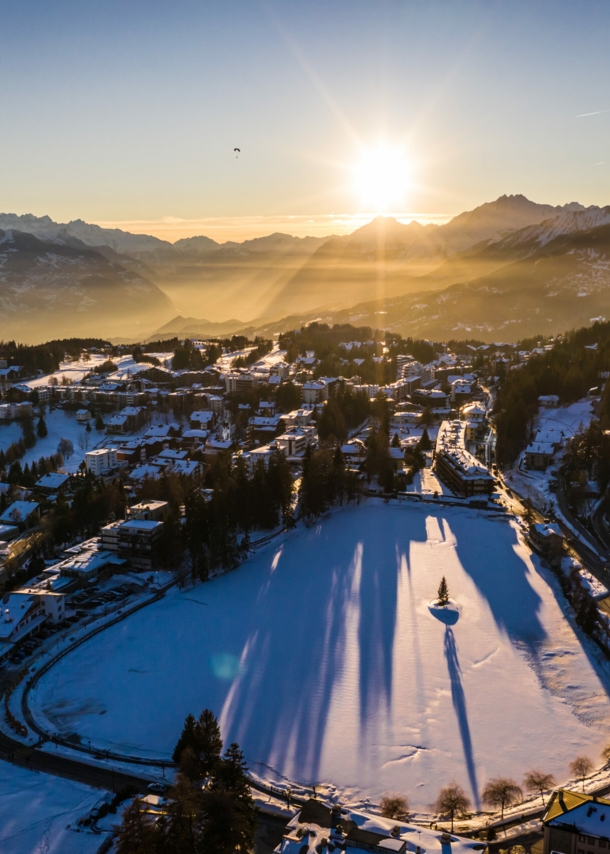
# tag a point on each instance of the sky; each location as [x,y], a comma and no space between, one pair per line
[127,112]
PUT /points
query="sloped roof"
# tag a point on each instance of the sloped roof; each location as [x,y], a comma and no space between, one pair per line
[587,813]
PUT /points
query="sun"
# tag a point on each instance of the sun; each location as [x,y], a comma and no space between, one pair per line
[382,178]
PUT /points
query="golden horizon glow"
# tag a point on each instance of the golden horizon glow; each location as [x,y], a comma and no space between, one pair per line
[382,179]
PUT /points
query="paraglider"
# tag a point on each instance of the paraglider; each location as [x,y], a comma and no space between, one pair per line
[238,150]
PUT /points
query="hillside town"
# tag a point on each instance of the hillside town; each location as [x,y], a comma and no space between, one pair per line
[136,424]
[115,463]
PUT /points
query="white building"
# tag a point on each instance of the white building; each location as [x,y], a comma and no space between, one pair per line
[101,461]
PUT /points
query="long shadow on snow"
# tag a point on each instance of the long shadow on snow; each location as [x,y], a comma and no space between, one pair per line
[300,675]
[502,579]
[459,704]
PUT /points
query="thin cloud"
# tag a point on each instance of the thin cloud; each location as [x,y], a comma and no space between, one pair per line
[596,113]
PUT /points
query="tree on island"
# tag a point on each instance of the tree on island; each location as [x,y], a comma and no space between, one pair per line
[452,801]
[538,781]
[443,592]
[502,792]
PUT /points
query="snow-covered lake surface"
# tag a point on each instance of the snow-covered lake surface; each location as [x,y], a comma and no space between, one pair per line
[35,810]
[322,658]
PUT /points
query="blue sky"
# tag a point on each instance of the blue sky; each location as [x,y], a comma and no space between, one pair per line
[129,111]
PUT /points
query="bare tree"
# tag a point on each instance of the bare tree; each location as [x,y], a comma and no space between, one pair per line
[65,448]
[394,806]
[538,781]
[452,801]
[581,768]
[83,441]
[501,792]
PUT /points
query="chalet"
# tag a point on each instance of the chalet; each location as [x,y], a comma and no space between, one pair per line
[202,419]
[576,823]
[53,482]
[19,513]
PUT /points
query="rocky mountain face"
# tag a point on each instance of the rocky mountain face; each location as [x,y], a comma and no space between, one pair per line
[50,288]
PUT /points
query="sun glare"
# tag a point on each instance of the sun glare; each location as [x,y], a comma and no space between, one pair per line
[382,178]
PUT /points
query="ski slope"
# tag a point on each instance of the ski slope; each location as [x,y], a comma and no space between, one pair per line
[322,658]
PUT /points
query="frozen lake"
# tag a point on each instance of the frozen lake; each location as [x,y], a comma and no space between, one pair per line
[322,659]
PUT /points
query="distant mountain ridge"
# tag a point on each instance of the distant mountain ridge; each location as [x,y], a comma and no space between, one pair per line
[419,279]
[71,287]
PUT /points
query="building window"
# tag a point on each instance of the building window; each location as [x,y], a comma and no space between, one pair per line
[590,840]
[581,838]
[602,843]
[581,851]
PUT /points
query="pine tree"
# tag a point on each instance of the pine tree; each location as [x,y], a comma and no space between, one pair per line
[41,428]
[188,738]
[424,443]
[209,742]
[136,834]
[231,815]
[443,592]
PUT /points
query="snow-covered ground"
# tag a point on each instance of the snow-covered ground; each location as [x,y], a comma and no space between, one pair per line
[60,425]
[74,371]
[566,418]
[321,657]
[39,813]
[535,485]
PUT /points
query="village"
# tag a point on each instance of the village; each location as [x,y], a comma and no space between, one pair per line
[138,424]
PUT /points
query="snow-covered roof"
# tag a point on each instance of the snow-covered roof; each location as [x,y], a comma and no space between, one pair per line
[586,814]
[18,512]
[541,448]
[52,480]
[352,831]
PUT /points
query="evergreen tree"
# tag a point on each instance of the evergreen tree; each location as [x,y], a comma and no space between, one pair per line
[41,428]
[188,738]
[443,592]
[136,835]
[424,443]
[209,742]
[230,811]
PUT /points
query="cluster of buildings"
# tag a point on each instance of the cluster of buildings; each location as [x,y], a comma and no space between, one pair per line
[454,462]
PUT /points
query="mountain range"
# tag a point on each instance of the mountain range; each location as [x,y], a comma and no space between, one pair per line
[507,269]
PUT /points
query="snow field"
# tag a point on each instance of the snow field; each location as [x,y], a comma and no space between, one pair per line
[321,657]
[36,808]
